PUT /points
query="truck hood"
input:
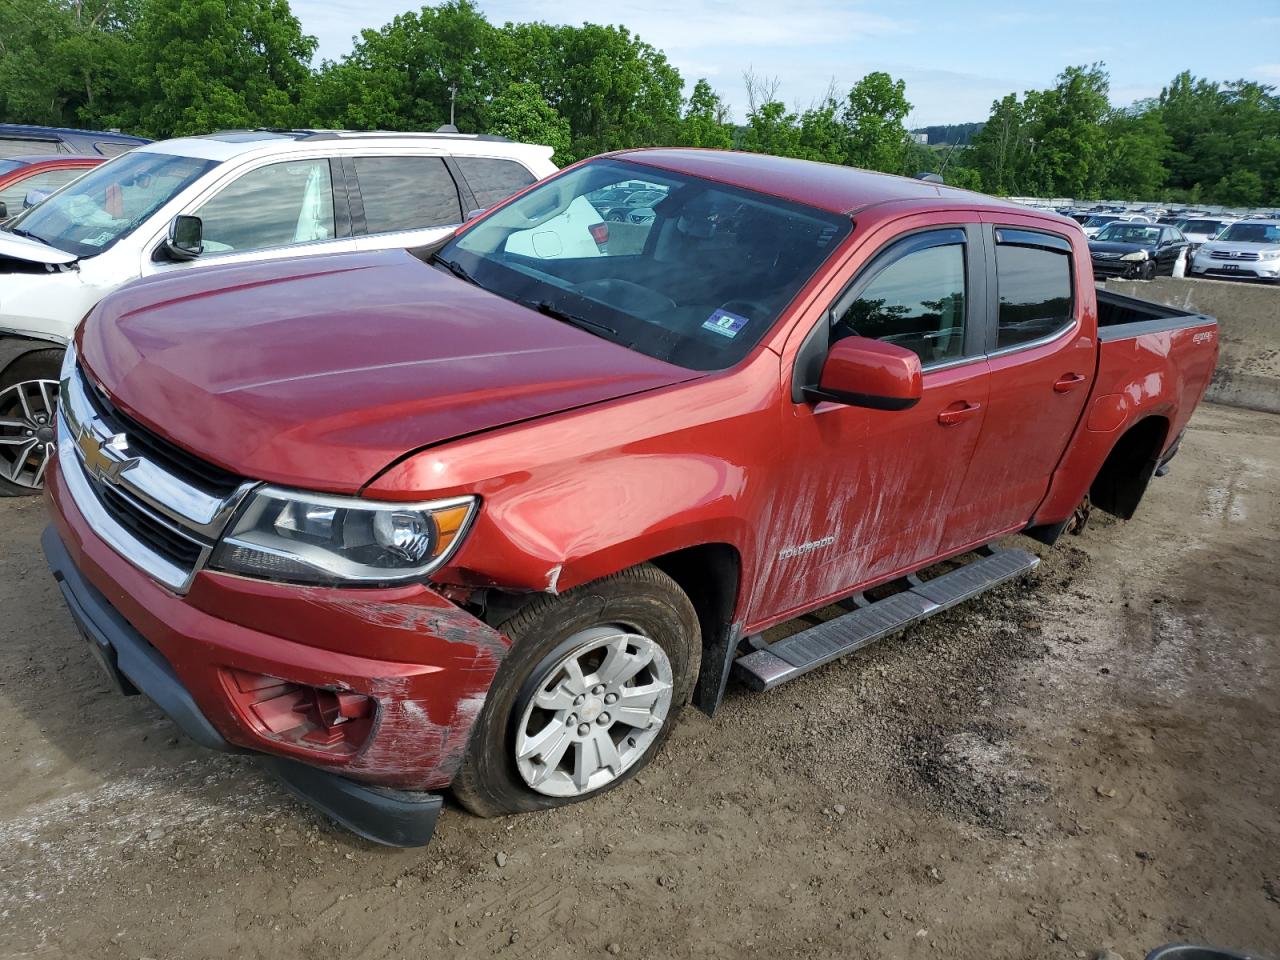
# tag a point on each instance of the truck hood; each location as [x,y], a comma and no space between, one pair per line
[320,372]
[14,247]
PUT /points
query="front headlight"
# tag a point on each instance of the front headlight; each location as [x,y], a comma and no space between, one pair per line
[1136,255]
[1269,254]
[318,538]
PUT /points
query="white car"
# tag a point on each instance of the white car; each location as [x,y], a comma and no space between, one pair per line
[1202,229]
[224,198]
[1098,221]
[1247,249]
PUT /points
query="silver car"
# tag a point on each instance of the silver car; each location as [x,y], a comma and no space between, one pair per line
[1248,249]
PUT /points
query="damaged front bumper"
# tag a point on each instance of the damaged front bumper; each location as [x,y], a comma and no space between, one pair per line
[362,700]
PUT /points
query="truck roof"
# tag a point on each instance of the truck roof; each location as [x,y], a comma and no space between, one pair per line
[839,189]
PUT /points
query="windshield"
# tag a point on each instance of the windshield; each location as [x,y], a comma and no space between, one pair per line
[1100,221]
[1251,233]
[695,276]
[1200,226]
[91,214]
[1129,233]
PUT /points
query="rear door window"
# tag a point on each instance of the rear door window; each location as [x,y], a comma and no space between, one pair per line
[491,179]
[272,206]
[407,193]
[1033,283]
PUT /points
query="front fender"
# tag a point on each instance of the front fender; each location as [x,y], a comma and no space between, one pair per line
[568,499]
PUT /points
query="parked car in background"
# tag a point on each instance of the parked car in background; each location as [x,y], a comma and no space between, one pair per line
[1096,222]
[37,177]
[22,140]
[621,211]
[1199,229]
[1136,250]
[1246,250]
[489,521]
[225,198]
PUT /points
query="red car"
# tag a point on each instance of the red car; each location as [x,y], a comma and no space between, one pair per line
[487,518]
[21,175]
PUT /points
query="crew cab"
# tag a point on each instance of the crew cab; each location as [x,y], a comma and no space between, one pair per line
[485,518]
[235,197]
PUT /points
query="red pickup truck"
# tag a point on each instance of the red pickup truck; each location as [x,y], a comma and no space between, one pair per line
[486,517]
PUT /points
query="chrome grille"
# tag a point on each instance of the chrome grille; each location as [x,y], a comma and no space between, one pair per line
[156,505]
[1233,255]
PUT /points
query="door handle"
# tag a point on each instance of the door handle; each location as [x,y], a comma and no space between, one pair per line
[958,412]
[1068,381]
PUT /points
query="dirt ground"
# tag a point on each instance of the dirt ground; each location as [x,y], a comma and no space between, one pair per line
[1088,759]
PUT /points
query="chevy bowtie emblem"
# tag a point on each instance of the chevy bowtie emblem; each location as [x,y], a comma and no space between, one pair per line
[105,458]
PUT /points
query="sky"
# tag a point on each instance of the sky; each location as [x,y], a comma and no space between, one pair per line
[956,56]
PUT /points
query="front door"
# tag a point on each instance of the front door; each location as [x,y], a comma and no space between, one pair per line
[869,491]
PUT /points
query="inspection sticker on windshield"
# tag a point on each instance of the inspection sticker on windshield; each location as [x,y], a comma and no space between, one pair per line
[99,240]
[725,323]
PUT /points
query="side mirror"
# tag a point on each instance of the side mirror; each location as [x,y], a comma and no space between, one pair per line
[869,373]
[4,210]
[33,197]
[186,238]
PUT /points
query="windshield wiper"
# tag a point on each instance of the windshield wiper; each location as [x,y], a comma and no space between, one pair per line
[457,269]
[18,231]
[549,309]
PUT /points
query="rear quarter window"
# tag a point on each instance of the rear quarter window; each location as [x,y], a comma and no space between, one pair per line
[491,179]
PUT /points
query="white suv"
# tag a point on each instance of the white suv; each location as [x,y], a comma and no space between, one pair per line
[217,199]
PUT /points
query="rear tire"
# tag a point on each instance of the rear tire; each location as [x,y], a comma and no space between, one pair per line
[540,739]
[28,406]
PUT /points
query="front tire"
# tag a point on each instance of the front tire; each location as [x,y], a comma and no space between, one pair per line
[28,405]
[587,695]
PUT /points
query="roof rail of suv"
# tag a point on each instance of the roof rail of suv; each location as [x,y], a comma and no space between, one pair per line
[444,132]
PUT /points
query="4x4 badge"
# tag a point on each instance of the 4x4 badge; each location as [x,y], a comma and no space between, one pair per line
[105,458]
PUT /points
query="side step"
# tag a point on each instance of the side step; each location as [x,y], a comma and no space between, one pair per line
[804,651]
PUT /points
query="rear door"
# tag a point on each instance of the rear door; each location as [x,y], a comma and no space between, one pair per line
[1042,355]
[402,200]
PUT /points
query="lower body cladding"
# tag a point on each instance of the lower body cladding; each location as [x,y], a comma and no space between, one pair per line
[363,740]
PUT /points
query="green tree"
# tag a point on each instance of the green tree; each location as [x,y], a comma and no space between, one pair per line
[201,65]
[1068,154]
[521,113]
[706,119]
[873,113]
[1001,148]
[62,62]
[405,75]
[1137,147]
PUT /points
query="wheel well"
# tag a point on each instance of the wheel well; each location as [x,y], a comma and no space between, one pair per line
[709,574]
[1123,478]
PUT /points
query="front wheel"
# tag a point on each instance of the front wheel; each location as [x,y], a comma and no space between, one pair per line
[587,695]
[1148,270]
[28,407]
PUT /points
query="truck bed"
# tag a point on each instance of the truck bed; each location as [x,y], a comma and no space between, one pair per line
[1120,316]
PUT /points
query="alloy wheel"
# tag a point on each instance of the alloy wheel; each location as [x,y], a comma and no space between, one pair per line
[27,411]
[594,712]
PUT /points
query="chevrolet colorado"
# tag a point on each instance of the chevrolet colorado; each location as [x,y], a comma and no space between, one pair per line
[487,518]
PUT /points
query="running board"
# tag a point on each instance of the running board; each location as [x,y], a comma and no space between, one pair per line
[787,659]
